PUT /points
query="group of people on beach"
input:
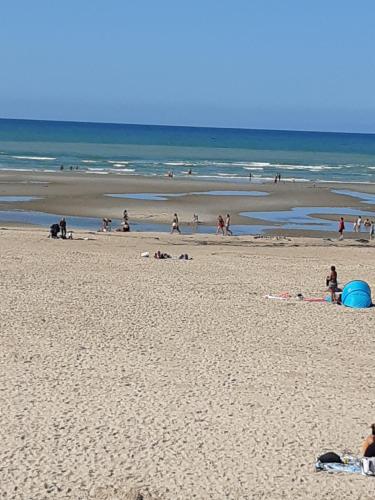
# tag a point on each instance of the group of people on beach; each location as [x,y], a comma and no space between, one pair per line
[71,167]
[368,224]
[60,227]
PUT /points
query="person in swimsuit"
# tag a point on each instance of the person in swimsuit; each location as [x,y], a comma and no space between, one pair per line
[220,225]
[368,445]
[332,283]
[175,225]
[341,228]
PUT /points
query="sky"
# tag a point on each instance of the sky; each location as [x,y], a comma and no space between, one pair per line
[273,64]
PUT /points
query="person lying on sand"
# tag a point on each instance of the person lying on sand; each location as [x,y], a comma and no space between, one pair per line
[160,255]
[332,283]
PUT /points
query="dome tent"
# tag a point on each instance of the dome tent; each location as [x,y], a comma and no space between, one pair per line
[356,294]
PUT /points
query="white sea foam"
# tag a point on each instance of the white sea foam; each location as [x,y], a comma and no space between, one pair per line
[42,158]
[253,168]
[178,163]
[90,161]
[122,169]
[118,162]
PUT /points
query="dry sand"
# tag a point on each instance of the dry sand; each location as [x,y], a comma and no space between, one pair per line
[179,378]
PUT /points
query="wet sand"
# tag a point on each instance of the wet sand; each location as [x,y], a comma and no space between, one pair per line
[179,377]
[82,194]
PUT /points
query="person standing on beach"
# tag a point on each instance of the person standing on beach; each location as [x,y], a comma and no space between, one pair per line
[279,177]
[125,216]
[276,177]
[220,225]
[341,228]
[62,225]
[250,176]
[372,230]
[228,231]
[332,283]
[175,225]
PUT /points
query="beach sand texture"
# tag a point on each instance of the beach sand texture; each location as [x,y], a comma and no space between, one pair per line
[179,377]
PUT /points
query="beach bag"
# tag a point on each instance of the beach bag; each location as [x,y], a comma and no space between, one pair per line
[330,458]
[368,466]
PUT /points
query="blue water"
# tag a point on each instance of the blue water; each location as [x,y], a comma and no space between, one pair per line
[301,218]
[210,153]
[364,197]
[13,199]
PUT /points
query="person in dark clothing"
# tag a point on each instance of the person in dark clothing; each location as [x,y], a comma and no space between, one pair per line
[63,228]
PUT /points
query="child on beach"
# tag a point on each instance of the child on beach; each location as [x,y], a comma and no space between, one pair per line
[332,283]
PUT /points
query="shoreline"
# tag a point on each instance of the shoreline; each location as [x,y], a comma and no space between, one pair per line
[83,195]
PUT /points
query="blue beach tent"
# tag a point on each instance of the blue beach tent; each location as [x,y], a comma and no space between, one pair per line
[356,294]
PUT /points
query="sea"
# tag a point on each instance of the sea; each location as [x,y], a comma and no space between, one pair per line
[225,154]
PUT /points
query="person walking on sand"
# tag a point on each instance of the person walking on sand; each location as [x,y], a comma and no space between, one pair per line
[372,230]
[125,217]
[62,225]
[220,225]
[332,283]
[341,228]
[359,224]
[228,231]
[175,225]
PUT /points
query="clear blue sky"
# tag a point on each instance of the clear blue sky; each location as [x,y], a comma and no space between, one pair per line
[288,64]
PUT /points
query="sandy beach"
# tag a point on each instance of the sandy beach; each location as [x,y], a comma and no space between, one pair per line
[82,194]
[178,377]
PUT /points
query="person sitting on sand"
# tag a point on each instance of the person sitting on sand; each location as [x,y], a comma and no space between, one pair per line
[368,445]
[332,283]
[220,225]
[175,225]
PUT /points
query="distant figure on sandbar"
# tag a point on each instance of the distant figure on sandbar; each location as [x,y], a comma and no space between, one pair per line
[250,176]
[220,225]
[175,225]
[61,167]
[195,223]
[276,177]
[170,174]
[341,228]
[190,171]
[62,225]
[228,231]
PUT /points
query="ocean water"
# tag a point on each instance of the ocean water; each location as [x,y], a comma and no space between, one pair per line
[210,153]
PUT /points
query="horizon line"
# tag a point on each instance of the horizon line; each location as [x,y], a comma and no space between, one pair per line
[186,126]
